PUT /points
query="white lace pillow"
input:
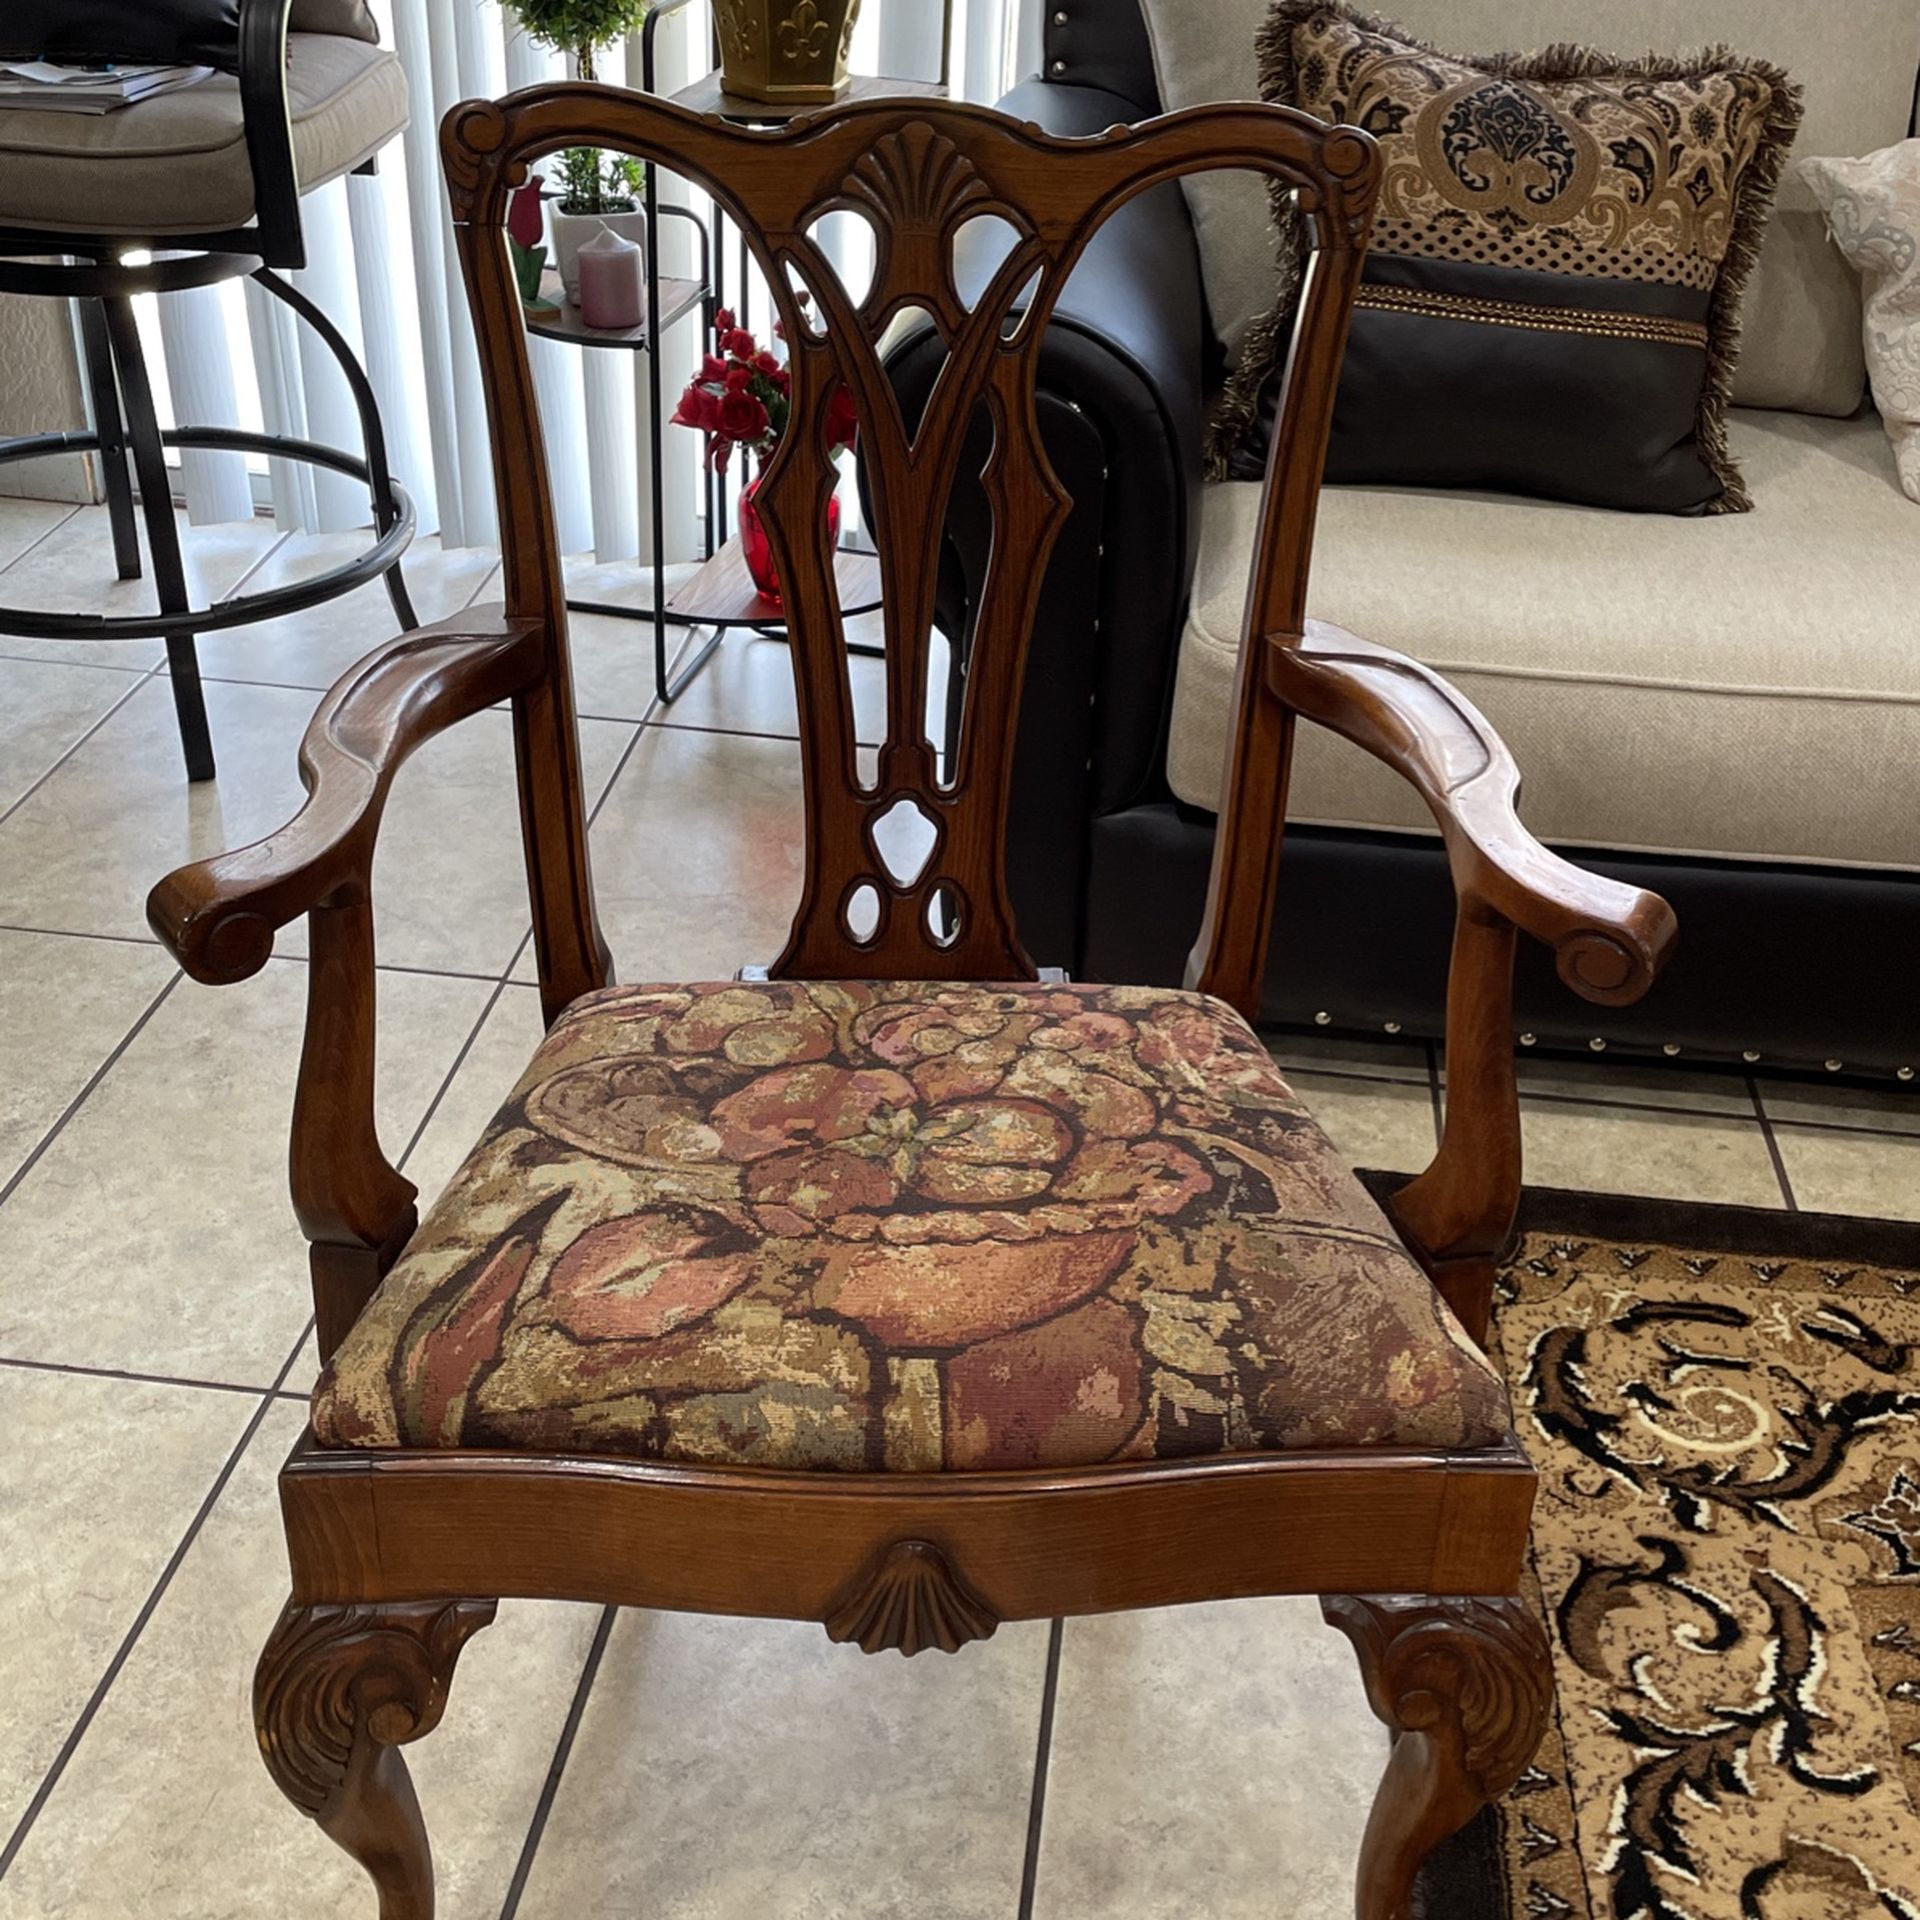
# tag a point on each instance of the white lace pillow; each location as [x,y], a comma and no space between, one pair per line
[1873,211]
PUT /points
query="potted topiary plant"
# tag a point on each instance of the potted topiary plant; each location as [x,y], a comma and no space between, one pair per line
[588,189]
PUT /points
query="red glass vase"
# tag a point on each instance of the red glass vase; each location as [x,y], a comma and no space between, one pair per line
[759,551]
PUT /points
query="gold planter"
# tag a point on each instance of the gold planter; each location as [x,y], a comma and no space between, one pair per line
[789,53]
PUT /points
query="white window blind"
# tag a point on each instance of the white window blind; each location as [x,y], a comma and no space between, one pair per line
[382,264]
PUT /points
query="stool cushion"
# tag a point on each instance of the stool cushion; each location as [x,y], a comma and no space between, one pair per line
[909,1228]
[178,163]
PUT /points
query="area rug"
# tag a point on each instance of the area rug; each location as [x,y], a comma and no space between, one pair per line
[1724,1405]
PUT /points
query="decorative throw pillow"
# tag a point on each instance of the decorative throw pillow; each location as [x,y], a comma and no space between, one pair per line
[1873,210]
[1552,295]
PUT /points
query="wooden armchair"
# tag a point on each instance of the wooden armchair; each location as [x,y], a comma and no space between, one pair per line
[855,1291]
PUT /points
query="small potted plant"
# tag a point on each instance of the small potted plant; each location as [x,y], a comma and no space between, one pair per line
[591,189]
[742,400]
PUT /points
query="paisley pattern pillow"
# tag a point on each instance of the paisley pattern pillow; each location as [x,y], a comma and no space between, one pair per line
[1873,211]
[888,1226]
[1551,298]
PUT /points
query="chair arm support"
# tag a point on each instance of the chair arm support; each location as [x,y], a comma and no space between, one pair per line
[1609,941]
[218,917]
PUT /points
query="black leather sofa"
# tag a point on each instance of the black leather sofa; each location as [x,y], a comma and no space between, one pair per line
[1791,966]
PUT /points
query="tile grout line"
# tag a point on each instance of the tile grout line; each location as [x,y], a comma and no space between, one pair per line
[593,812]
[1844,1127]
[73,933]
[67,519]
[459,1060]
[562,1753]
[78,1732]
[80,1099]
[131,693]
[247,572]
[1773,1145]
[1042,1761]
[130,1375]
[151,942]
[1543,1097]
[84,666]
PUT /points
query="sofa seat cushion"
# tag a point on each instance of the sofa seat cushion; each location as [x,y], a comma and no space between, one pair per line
[905,1228]
[178,163]
[1745,686]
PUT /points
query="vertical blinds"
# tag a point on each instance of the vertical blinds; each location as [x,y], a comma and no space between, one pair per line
[381,262]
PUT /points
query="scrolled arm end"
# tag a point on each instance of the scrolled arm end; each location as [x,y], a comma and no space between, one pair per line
[1613,966]
[217,940]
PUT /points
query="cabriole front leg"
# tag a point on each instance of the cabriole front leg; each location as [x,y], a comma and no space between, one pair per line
[338,1691]
[1465,1686]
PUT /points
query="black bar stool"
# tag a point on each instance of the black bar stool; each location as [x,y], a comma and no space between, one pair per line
[208,180]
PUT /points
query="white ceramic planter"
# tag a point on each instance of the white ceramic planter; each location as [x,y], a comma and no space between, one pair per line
[570,229]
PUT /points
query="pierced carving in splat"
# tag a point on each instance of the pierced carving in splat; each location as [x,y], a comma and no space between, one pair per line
[917,175]
[916,189]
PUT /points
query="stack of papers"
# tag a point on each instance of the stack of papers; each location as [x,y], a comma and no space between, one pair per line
[42,87]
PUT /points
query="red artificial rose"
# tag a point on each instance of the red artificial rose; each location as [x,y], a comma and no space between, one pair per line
[739,379]
[741,417]
[697,408]
[843,423]
[723,321]
[524,220]
[766,363]
[741,344]
[781,379]
[712,367]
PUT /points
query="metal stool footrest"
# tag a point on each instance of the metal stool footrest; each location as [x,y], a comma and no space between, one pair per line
[238,610]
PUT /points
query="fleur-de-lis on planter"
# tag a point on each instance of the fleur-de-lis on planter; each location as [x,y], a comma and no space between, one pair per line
[803,33]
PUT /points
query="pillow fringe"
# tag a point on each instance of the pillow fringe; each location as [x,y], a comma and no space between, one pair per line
[1238,408]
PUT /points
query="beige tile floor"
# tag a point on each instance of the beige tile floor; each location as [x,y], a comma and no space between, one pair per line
[1209,1761]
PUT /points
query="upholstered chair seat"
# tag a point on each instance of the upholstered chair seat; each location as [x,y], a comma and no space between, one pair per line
[910,1228]
[178,163]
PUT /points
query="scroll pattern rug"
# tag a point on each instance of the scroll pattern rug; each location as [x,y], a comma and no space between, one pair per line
[1724,1406]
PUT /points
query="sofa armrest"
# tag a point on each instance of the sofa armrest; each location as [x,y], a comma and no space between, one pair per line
[1121,391]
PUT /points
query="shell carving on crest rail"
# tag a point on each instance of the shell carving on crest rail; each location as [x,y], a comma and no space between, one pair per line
[916,178]
[917,188]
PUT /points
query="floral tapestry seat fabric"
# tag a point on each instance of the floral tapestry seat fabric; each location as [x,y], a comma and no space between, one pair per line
[905,1228]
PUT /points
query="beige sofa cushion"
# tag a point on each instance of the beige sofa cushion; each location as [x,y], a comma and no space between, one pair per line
[1802,332]
[1746,685]
[178,164]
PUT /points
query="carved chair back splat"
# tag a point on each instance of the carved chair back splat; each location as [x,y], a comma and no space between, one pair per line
[398,1555]
[918,179]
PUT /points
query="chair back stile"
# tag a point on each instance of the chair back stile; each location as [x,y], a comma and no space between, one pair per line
[918,173]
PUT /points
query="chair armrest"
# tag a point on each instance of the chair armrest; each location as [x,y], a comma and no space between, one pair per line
[219,917]
[1609,941]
